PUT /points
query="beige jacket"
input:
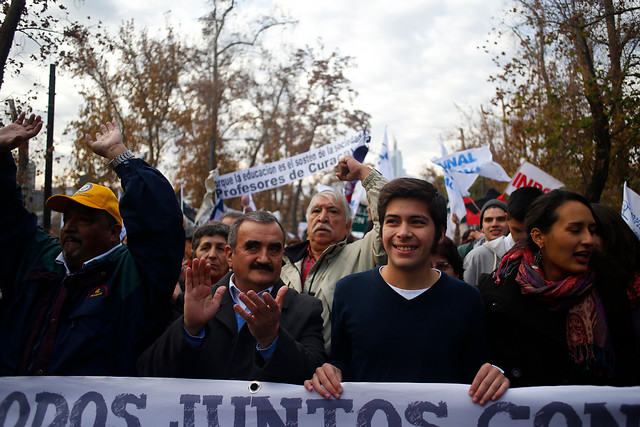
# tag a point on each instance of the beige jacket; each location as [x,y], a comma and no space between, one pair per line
[338,260]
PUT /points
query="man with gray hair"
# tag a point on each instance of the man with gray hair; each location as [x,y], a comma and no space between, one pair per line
[249,326]
[314,266]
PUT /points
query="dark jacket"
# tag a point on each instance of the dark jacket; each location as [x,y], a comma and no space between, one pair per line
[227,353]
[99,319]
[529,342]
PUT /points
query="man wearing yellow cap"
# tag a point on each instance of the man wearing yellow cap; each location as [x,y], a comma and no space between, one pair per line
[86,304]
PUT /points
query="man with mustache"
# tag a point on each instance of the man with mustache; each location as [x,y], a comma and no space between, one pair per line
[249,326]
[86,305]
[314,266]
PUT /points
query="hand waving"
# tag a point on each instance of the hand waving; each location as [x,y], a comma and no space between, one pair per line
[108,143]
[199,305]
[20,131]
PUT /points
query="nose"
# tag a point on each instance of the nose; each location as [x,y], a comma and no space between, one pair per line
[69,224]
[404,230]
[323,216]
[588,238]
[263,257]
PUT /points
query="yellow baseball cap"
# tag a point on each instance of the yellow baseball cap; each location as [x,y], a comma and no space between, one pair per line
[91,195]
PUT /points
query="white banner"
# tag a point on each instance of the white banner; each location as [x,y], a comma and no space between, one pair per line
[110,401]
[529,175]
[631,209]
[282,172]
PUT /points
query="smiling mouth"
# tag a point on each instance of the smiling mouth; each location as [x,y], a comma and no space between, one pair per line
[405,248]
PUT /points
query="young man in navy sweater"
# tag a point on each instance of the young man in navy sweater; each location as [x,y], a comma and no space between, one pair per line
[405,321]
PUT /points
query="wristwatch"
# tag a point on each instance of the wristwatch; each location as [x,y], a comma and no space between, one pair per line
[121,158]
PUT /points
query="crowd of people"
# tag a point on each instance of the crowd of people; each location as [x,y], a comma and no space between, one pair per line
[547,294]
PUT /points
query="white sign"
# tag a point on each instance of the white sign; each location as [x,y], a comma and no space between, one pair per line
[529,175]
[111,401]
[631,209]
[282,172]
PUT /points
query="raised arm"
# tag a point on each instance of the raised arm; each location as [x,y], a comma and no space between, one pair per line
[20,131]
[199,305]
[349,169]
[108,142]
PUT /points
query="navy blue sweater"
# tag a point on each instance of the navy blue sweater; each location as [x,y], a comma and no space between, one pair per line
[380,336]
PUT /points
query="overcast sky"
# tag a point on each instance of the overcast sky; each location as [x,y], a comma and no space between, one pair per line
[415,60]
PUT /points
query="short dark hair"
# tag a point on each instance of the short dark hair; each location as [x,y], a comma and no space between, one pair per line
[449,251]
[231,214]
[213,229]
[543,212]
[418,189]
[262,217]
[520,201]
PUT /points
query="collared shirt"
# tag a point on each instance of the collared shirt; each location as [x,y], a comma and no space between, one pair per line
[60,258]
[307,264]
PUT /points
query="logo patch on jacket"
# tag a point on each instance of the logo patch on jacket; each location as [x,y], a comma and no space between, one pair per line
[98,292]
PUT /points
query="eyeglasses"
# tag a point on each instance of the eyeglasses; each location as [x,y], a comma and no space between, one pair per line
[442,265]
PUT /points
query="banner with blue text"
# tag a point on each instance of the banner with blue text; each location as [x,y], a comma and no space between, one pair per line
[111,401]
[282,172]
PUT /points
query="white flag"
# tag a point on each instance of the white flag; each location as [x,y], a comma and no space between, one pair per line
[384,163]
[473,160]
[529,175]
[631,209]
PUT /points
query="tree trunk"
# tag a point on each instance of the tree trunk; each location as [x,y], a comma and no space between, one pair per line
[600,122]
[7,31]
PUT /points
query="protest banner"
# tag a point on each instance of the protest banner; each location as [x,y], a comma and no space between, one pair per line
[529,175]
[276,174]
[102,401]
[631,209]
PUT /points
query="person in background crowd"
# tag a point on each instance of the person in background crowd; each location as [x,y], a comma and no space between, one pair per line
[405,321]
[250,326]
[493,220]
[208,243]
[86,305]
[618,256]
[553,319]
[314,266]
[486,258]
[447,259]
[229,217]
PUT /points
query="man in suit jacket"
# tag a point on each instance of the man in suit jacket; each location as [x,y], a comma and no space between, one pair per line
[249,326]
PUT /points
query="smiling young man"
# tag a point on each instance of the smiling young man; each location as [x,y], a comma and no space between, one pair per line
[405,321]
[247,326]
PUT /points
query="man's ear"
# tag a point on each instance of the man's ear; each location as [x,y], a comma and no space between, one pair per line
[229,253]
[114,233]
[537,237]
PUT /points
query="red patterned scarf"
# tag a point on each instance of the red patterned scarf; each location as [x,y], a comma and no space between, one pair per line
[588,337]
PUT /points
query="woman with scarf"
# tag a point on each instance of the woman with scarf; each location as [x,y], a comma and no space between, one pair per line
[553,319]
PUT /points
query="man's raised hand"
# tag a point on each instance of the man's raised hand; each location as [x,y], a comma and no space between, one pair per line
[20,131]
[108,142]
[199,305]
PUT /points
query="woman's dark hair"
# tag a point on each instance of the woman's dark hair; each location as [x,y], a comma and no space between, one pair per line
[543,212]
[619,246]
[448,250]
[419,189]
[615,263]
